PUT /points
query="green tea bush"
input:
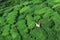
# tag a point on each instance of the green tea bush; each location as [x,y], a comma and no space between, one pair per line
[19,19]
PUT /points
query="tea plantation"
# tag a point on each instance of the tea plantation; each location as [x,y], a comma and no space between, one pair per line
[18,19]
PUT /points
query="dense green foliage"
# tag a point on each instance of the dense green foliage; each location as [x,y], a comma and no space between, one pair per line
[18,19]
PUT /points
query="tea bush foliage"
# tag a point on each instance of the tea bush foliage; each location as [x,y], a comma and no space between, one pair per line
[18,19]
